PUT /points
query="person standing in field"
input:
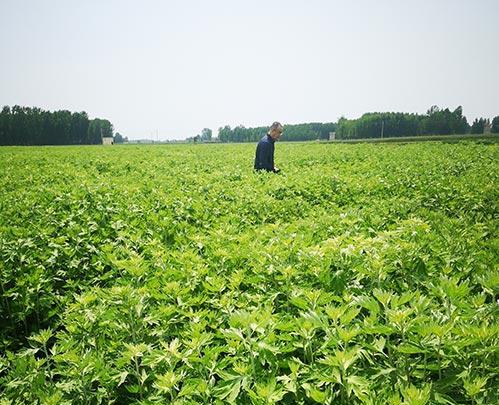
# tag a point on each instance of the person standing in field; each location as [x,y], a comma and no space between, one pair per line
[264,156]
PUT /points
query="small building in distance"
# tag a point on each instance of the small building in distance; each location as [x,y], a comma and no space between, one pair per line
[332,136]
[107,140]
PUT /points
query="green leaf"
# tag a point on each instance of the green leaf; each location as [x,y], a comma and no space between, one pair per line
[165,382]
[409,348]
[314,393]
[228,390]
[475,386]
[416,396]
[122,377]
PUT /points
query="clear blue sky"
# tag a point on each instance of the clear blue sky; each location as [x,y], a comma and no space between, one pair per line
[177,66]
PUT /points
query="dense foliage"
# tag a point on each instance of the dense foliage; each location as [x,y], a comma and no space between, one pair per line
[297,132]
[436,121]
[34,126]
[175,274]
[495,125]
[478,125]
[375,125]
[118,138]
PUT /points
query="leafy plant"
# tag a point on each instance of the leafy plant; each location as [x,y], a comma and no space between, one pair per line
[174,274]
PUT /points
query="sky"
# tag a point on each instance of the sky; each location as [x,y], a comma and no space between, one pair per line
[167,69]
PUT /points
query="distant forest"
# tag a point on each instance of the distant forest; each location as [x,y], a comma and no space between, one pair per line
[34,126]
[390,124]
[299,132]
[373,125]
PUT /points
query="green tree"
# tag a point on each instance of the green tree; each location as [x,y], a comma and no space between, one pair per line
[224,133]
[118,138]
[459,122]
[495,125]
[478,125]
[79,128]
[298,132]
[206,134]
[34,126]
[5,126]
[98,129]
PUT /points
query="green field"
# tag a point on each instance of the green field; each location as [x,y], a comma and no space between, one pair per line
[365,273]
[481,138]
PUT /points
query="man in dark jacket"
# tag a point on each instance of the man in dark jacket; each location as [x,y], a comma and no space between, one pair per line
[264,156]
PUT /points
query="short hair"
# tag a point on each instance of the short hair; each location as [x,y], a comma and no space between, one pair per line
[275,125]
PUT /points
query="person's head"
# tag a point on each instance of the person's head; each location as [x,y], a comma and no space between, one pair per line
[275,130]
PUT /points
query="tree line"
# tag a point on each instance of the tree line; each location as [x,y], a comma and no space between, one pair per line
[34,126]
[298,132]
[436,121]
[205,136]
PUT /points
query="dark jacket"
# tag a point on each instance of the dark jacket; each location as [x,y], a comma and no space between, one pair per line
[264,156]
